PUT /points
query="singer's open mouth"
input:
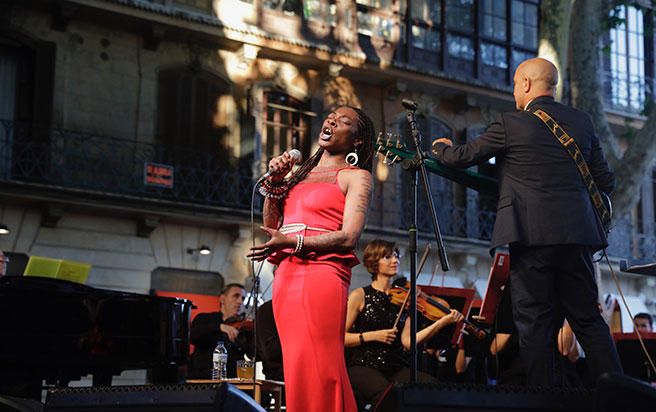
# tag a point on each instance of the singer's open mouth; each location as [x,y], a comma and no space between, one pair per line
[326,133]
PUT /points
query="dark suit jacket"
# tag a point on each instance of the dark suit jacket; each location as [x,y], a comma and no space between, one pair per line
[542,198]
[204,335]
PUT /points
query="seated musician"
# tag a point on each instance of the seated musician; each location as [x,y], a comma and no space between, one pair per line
[643,322]
[376,348]
[209,328]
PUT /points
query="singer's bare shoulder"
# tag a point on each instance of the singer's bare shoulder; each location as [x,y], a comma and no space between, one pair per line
[353,176]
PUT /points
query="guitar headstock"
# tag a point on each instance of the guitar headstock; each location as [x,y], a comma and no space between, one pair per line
[389,145]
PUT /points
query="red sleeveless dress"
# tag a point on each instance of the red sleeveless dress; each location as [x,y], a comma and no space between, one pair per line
[310,291]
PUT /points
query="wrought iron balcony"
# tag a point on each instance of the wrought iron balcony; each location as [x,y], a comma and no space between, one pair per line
[82,163]
[391,209]
[75,162]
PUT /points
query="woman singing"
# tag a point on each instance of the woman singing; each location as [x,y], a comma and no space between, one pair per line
[314,219]
[377,356]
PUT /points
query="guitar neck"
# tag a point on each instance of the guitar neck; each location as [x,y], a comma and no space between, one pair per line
[481,183]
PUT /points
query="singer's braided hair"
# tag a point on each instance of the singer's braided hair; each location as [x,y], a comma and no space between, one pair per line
[364,150]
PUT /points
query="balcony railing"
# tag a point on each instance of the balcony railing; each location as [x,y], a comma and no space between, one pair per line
[391,209]
[85,162]
[82,163]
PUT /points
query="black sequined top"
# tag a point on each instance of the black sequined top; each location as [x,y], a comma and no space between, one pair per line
[378,313]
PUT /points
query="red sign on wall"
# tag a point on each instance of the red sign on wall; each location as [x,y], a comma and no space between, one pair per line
[158,175]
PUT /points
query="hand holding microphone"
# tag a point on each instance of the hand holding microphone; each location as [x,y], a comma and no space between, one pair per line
[281,165]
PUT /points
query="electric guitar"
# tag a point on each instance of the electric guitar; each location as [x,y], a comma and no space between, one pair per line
[395,152]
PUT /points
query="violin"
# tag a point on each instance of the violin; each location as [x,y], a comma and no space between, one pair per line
[240,322]
[432,307]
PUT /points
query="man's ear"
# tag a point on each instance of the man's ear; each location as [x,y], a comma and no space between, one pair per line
[358,141]
[526,83]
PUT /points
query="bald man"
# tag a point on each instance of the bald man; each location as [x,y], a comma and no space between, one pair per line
[547,219]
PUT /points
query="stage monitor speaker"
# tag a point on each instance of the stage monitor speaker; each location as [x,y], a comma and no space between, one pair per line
[161,398]
[423,397]
[623,393]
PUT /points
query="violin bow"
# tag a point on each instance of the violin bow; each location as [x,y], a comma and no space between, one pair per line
[430,282]
[422,261]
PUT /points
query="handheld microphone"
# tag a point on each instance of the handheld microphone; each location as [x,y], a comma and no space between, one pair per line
[409,104]
[295,155]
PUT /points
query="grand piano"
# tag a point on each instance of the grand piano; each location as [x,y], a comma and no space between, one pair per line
[60,331]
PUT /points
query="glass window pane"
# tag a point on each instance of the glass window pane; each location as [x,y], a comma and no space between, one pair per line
[488,27]
[461,47]
[524,24]
[531,38]
[425,39]
[519,56]
[499,7]
[517,10]
[500,28]
[493,22]
[487,6]
[460,14]
[531,15]
[494,55]
[518,33]
[426,10]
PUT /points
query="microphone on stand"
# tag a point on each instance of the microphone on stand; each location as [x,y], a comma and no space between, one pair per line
[295,156]
[409,104]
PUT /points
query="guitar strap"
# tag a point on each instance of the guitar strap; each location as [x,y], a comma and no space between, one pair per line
[570,145]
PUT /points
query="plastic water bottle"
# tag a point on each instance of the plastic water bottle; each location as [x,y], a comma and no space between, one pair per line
[220,362]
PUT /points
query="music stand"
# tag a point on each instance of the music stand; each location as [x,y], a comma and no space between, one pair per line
[499,273]
[459,299]
[633,359]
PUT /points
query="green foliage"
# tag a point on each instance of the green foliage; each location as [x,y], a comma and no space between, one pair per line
[629,132]
[613,19]
[649,107]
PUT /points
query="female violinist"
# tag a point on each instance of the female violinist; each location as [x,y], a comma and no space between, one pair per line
[376,348]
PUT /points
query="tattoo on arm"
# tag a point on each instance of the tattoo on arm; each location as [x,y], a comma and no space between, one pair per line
[363,198]
[272,213]
[325,241]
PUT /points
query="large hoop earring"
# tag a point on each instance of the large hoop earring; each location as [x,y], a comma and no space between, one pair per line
[352,158]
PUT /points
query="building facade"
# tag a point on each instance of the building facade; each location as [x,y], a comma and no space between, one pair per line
[131,131]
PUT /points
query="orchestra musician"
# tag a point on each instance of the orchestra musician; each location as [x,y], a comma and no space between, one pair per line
[643,322]
[229,326]
[376,345]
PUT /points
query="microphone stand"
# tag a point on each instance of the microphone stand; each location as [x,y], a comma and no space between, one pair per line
[418,166]
[255,288]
